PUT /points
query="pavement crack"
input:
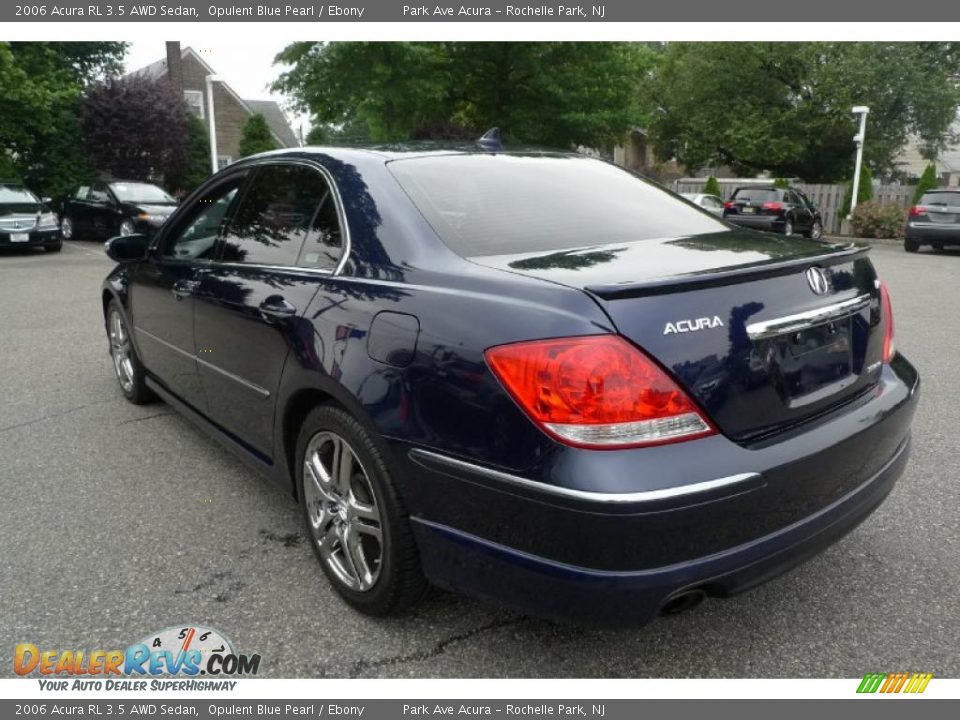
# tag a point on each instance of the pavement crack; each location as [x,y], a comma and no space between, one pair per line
[439,649]
[145,417]
[51,416]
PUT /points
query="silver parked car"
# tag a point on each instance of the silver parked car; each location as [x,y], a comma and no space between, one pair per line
[710,203]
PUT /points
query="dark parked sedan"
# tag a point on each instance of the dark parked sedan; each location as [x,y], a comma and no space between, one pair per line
[934,221]
[25,221]
[782,210]
[102,210]
[532,377]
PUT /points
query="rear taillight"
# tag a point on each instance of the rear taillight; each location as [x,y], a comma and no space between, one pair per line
[772,206]
[729,204]
[917,210]
[886,308]
[597,391]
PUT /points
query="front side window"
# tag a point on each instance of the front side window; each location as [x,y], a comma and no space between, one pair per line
[195,237]
[98,194]
[275,216]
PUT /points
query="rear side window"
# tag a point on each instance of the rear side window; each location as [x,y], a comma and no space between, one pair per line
[275,215]
[509,204]
[941,198]
[755,196]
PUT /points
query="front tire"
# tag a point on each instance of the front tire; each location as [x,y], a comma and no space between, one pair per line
[354,516]
[816,230]
[911,246]
[57,247]
[126,365]
[66,228]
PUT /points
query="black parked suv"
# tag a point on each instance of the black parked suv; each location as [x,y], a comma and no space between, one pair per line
[104,209]
[782,210]
[25,221]
[934,221]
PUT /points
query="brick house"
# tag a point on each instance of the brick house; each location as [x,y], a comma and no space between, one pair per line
[188,71]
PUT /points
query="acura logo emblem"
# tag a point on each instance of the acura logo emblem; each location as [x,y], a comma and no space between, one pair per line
[16,225]
[817,280]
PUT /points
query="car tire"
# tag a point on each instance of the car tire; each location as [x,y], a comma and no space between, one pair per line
[788,228]
[126,228]
[57,247]
[66,228]
[911,246]
[354,516]
[816,230]
[126,364]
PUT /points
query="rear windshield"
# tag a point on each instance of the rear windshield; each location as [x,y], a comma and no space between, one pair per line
[756,195]
[504,204]
[940,198]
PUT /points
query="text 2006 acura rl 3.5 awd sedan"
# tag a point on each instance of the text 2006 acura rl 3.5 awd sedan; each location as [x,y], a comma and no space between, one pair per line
[529,376]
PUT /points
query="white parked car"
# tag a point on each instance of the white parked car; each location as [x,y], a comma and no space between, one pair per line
[710,203]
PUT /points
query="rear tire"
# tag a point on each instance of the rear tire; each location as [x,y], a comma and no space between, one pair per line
[816,230]
[353,515]
[911,246]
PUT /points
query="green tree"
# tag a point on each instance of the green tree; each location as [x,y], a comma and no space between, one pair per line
[712,187]
[256,137]
[864,189]
[196,163]
[555,93]
[40,87]
[785,107]
[928,181]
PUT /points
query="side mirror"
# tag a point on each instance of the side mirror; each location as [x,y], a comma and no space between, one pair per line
[127,248]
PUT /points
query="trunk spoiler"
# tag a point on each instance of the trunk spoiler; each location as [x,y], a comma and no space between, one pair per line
[730,276]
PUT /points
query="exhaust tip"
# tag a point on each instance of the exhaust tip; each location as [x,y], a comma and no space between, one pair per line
[682,602]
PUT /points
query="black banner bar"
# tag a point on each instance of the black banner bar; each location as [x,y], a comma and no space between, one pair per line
[734,11]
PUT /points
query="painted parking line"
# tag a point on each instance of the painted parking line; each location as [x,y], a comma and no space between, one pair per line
[85,249]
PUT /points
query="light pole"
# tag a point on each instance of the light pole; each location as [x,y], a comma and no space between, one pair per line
[862,111]
[211,119]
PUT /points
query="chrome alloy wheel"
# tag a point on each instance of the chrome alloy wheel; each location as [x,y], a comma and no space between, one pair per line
[343,511]
[126,228]
[121,351]
[66,228]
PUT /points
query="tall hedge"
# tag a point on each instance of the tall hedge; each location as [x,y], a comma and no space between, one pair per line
[928,181]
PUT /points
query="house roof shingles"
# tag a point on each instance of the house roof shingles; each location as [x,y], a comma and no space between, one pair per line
[270,109]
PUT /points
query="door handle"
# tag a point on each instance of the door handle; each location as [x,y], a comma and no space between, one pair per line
[183,288]
[276,307]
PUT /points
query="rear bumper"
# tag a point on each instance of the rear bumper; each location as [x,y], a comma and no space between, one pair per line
[544,587]
[768,223]
[933,232]
[568,554]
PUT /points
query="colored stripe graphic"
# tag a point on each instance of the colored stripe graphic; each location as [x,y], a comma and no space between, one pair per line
[894,682]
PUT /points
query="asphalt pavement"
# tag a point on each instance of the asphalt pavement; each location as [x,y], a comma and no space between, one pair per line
[118,520]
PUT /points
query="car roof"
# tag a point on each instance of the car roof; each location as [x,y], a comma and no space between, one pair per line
[406,150]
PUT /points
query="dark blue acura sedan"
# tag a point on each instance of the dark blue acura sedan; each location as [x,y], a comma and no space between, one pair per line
[530,376]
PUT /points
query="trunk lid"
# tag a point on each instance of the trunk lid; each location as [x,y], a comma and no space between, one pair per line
[737,319]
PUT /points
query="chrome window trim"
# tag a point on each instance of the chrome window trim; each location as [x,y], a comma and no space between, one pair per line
[421,456]
[338,201]
[803,321]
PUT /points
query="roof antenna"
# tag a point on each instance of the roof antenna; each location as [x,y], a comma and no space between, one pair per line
[490,140]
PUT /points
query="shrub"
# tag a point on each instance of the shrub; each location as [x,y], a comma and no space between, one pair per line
[873,220]
[782,183]
[928,181]
[712,187]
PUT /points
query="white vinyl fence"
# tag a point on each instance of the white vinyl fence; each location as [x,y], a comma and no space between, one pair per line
[827,197]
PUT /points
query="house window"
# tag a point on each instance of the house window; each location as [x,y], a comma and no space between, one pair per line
[223,161]
[194,100]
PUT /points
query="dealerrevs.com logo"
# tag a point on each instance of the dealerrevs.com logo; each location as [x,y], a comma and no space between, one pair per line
[180,651]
